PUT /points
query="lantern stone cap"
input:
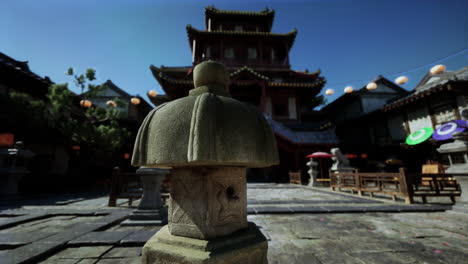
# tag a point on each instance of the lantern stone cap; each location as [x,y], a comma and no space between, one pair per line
[206,128]
[147,170]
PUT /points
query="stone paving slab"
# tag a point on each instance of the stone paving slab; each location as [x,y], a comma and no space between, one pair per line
[298,201]
[21,238]
[82,252]
[139,237]
[123,252]
[302,225]
[100,238]
[28,252]
[12,221]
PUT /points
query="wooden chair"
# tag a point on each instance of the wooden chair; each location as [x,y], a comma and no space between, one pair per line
[295,177]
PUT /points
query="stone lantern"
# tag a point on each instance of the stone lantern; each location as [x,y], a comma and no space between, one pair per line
[313,171]
[208,140]
[13,163]
[150,210]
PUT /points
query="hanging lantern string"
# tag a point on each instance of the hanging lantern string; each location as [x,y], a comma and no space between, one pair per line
[464,50]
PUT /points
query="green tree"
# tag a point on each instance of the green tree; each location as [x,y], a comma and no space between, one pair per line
[94,127]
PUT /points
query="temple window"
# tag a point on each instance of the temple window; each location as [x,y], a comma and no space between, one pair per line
[252,53]
[208,52]
[273,54]
[238,28]
[229,53]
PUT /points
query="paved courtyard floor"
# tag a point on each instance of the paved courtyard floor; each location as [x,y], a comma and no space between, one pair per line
[302,225]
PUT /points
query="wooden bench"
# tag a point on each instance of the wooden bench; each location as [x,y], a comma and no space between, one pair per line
[435,185]
[124,185]
[295,177]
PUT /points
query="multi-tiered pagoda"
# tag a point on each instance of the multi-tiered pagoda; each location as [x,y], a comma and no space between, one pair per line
[261,74]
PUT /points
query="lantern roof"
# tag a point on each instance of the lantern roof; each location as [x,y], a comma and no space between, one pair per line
[207,127]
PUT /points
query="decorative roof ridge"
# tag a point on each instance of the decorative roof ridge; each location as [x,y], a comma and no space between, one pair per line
[191,29]
[328,135]
[23,67]
[9,60]
[414,94]
[265,12]
[163,68]
[381,79]
[116,88]
[299,84]
[250,70]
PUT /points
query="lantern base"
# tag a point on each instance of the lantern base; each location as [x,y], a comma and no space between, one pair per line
[247,246]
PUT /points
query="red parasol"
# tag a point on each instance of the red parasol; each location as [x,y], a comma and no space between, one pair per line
[319,155]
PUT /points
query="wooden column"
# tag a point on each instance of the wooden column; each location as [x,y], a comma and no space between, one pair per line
[405,186]
[193,50]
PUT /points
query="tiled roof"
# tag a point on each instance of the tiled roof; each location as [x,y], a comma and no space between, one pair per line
[21,66]
[363,90]
[265,12]
[291,36]
[443,78]
[191,30]
[301,137]
[182,76]
[433,84]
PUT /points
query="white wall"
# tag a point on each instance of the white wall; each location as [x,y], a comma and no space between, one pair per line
[418,119]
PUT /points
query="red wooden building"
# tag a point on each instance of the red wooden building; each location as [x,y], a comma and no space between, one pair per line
[261,74]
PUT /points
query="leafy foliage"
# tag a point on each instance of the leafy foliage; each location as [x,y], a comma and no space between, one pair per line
[97,128]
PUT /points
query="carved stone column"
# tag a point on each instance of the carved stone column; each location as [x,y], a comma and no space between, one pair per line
[150,210]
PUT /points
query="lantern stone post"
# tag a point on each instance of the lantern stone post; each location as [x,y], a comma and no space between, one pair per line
[313,172]
[149,211]
[208,140]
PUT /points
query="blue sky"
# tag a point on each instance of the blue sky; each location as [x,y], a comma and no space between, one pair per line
[351,41]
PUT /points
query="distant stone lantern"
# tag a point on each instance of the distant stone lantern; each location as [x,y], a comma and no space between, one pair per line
[401,80]
[329,92]
[152,93]
[208,139]
[85,103]
[348,89]
[135,101]
[371,86]
[438,69]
